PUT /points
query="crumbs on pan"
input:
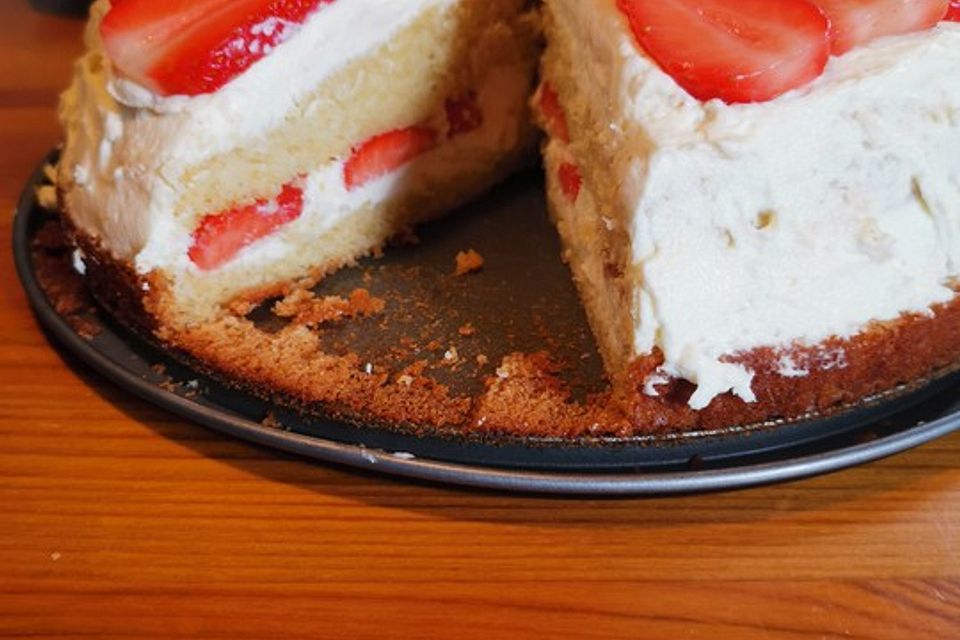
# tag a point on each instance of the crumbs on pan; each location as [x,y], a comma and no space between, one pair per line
[468,262]
[304,307]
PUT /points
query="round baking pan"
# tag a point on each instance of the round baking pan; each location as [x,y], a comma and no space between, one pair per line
[651,465]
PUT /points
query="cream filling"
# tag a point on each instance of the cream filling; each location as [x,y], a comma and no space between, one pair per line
[780,223]
[327,201]
[128,148]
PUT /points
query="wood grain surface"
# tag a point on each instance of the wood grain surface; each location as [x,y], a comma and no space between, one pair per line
[119,520]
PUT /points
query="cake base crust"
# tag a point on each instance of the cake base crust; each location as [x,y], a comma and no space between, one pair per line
[526,397]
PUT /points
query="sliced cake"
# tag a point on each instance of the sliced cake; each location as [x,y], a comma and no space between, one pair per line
[760,200]
[219,150]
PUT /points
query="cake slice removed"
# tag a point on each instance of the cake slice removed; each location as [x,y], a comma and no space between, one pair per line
[760,201]
[216,151]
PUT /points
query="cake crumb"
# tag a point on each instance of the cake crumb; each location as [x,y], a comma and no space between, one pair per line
[47,197]
[270,421]
[483,360]
[467,330]
[468,262]
[451,355]
[305,308]
[50,173]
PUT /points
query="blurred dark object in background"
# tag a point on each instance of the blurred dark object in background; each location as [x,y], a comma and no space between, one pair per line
[77,8]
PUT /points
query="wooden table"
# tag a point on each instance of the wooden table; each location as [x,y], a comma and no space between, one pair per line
[119,520]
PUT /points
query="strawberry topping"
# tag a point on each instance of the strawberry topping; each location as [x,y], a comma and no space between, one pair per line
[570,181]
[220,236]
[734,50]
[756,50]
[463,115]
[386,153]
[856,22]
[193,47]
[553,113]
[953,13]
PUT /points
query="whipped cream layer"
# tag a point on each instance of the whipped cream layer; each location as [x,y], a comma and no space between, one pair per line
[783,223]
[129,149]
[327,200]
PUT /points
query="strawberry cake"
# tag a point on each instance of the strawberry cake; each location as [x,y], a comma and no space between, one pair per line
[760,200]
[218,150]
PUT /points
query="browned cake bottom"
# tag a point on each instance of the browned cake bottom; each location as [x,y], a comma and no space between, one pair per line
[523,395]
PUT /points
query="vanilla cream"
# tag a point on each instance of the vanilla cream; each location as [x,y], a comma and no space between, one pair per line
[782,223]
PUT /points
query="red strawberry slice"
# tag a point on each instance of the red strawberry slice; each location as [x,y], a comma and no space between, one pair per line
[857,22]
[386,153]
[570,181]
[553,113]
[220,236]
[463,115]
[953,13]
[734,50]
[192,47]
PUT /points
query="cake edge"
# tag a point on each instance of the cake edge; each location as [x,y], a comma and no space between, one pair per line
[880,359]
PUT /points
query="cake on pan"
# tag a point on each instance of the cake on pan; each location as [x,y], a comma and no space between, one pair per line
[216,150]
[760,200]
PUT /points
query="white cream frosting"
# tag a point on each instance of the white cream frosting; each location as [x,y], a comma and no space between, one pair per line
[780,223]
[129,148]
[327,201]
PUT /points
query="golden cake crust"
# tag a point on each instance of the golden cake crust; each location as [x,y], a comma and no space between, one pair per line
[525,397]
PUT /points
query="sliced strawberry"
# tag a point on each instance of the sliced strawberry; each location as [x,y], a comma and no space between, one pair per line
[570,180]
[192,47]
[386,153]
[953,13]
[463,115]
[734,50]
[857,22]
[553,113]
[220,236]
